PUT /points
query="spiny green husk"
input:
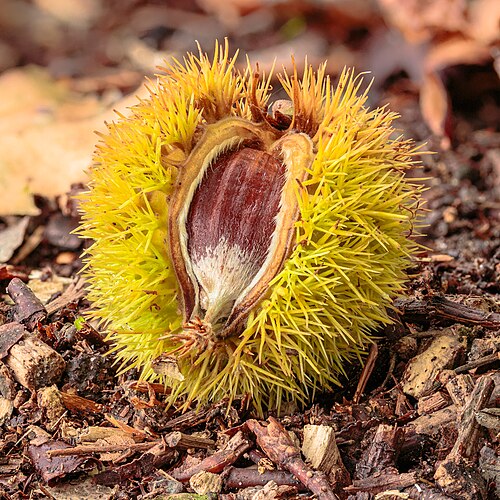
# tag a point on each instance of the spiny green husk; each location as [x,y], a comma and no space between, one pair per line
[352,245]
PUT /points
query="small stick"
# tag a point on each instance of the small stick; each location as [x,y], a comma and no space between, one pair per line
[185,441]
[89,449]
[383,482]
[173,440]
[279,447]
[438,306]
[366,373]
[245,478]
[217,462]
[485,360]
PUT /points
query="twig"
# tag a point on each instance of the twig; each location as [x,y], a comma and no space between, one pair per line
[244,478]
[183,441]
[176,440]
[217,462]
[390,371]
[415,310]
[383,482]
[485,360]
[89,449]
[279,447]
[366,373]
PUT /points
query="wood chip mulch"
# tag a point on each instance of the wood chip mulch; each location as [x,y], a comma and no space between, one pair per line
[420,421]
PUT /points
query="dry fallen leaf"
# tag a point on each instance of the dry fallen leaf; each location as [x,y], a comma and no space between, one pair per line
[448,32]
[11,238]
[47,137]
[434,105]
[456,51]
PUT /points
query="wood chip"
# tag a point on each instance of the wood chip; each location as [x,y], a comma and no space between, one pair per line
[382,453]
[76,403]
[206,482]
[6,409]
[460,388]
[422,371]
[275,441]
[27,309]
[320,450]
[432,403]
[34,364]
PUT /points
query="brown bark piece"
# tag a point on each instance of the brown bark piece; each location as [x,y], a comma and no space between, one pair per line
[279,447]
[434,402]
[94,434]
[431,425]
[422,371]
[455,475]
[217,462]
[189,419]
[381,455]
[320,449]
[27,309]
[51,468]
[75,403]
[436,306]
[156,457]
[382,482]
[34,364]
[428,427]
[183,441]
[10,334]
[466,444]
[460,388]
